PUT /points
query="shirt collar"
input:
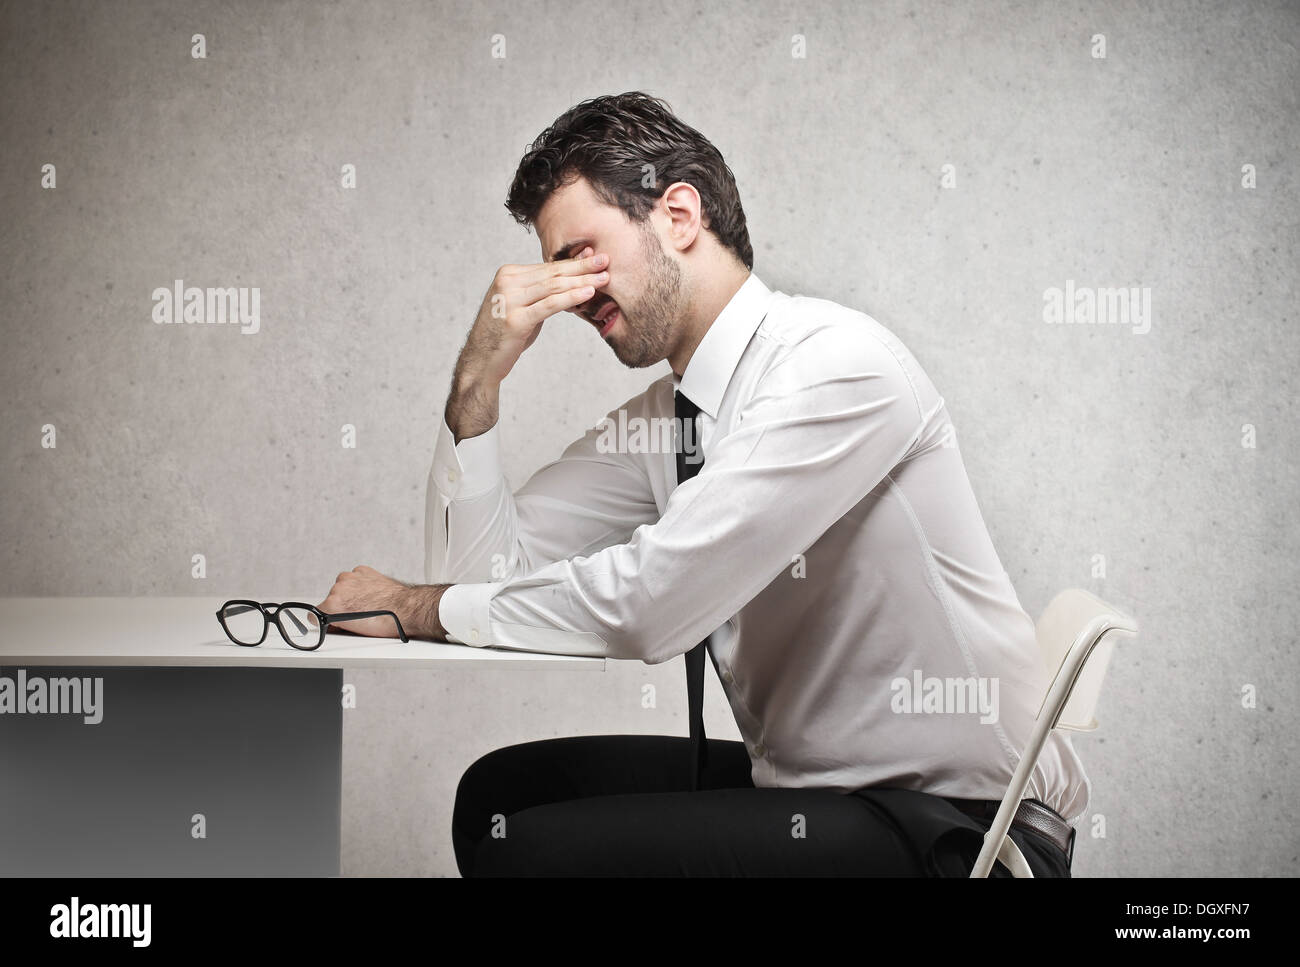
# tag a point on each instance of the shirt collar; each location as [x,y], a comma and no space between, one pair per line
[715,358]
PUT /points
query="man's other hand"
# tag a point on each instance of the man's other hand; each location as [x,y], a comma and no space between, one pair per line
[365,589]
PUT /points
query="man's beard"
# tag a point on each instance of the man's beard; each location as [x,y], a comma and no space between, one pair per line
[646,341]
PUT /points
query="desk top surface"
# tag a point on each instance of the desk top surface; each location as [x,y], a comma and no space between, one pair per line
[184,631]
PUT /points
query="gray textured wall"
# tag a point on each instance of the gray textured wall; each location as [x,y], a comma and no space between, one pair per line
[1127,170]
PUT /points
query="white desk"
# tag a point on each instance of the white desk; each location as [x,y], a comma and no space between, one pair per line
[192,725]
[184,631]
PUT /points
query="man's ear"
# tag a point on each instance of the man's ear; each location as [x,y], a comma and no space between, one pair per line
[682,204]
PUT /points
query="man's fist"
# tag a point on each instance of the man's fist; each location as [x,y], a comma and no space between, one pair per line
[365,589]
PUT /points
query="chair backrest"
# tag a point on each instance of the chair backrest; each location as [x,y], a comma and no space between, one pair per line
[1075,636]
[1077,618]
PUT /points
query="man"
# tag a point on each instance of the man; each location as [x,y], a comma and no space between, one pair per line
[811,525]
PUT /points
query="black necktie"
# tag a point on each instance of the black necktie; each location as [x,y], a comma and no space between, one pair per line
[688,443]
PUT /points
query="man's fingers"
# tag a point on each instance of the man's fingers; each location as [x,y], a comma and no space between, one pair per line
[560,292]
[580,264]
[562,285]
[564,301]
[573,280]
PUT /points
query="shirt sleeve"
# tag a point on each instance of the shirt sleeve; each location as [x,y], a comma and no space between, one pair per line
[477,530]
[826,423]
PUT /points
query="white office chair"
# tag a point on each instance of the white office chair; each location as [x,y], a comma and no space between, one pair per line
[1075,635]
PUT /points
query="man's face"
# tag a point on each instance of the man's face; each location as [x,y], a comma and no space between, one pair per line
[645,283]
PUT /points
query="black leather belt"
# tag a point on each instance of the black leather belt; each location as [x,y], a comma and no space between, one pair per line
[1032,815]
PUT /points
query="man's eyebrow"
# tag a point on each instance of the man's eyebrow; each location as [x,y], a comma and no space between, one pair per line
[563,250]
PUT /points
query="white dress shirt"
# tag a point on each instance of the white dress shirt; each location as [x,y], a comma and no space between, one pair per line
[831,543]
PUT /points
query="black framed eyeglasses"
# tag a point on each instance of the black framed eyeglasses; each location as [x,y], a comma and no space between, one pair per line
[301,625]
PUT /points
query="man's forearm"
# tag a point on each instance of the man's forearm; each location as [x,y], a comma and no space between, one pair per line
[419,611]
[472,407]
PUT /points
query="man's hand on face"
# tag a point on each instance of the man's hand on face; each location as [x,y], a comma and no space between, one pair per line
[519,300]
[365,589]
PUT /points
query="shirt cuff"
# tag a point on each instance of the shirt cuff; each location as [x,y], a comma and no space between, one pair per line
[466,469]
[463,613]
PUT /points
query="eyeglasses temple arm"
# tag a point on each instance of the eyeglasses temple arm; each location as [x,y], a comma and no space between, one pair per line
[352,615]
[302,630]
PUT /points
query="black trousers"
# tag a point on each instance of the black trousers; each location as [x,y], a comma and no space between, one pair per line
[619,805]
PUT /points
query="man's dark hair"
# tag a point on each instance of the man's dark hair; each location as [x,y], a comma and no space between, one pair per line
[608,140]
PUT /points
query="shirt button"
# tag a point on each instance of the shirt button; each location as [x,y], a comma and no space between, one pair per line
[474,635]
[726,677]
[451,475]
[760,750]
